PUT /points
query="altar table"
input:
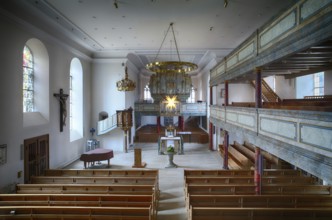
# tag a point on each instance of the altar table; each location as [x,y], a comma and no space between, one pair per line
[164,142]
[97,155]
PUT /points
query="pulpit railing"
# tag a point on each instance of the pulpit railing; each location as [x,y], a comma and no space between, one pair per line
[106,125]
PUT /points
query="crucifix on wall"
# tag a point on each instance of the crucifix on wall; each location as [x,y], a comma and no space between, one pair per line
[62,98]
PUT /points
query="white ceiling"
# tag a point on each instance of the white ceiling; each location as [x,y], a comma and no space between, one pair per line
[203,28]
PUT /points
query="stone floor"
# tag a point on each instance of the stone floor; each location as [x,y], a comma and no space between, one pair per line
[171,180]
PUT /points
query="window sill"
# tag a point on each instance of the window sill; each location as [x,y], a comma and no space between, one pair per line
[33,119]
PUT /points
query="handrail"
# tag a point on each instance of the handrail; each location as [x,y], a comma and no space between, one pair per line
[106,125]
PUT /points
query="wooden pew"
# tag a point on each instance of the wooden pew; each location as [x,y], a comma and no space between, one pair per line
[268,201]
[225,173]
[231,163]
[215,213]
[249,189]
[121,200]
[90,200]
[84,189]
[94,180]
[245,151]
[266,180]
[101,172]
[272,160]
[65,212]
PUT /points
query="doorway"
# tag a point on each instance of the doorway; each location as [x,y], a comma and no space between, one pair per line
[36,156]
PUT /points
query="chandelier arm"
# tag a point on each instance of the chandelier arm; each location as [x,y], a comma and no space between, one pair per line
[162,42]
[176,45]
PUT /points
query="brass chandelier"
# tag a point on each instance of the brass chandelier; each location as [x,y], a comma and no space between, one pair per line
[125,84]
[170,66]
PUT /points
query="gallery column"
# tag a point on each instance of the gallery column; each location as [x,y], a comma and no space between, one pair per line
[226,144]
[258,171]
[211,95]
[258,89]
[226,94]
[211,136]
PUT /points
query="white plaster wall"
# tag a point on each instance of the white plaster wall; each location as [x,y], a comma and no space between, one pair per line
[241,92]
[328,82]
[12,133]
[285,88]
[106,97]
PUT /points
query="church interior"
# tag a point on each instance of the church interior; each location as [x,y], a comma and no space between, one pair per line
[166,109]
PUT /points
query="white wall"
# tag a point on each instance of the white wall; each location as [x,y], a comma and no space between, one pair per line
[106,97]
[285,88]
[241,92]
[328,82]
[12,133]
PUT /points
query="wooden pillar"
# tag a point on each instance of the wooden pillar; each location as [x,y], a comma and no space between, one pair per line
[211,136]
[258,171]
[211,95]
[258,90]
[226,94]
[125,147]
[226,144]
[181,123]
[158,124]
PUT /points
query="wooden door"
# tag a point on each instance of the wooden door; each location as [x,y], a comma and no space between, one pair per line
[36,156]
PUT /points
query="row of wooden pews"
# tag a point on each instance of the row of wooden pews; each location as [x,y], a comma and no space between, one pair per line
[230,194]
[309,103]
[242,156]
[85,194]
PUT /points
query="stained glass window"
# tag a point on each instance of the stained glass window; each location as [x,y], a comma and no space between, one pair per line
[71,101]
[28,67]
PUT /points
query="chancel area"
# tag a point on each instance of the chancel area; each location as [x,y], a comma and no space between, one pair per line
[162,109]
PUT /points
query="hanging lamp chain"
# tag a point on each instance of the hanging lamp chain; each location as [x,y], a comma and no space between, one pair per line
[162,43]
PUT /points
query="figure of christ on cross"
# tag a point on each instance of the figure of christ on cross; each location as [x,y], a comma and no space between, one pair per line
[62,98]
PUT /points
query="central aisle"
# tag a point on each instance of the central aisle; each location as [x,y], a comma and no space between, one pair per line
[171,201]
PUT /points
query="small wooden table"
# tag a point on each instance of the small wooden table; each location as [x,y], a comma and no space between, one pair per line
[97,155]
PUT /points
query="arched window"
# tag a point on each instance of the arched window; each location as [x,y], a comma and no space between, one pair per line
[147,93]
[28,72]
[192,96]
[35,83]
[76,100]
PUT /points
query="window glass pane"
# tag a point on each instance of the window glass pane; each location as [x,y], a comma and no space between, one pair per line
[28,80]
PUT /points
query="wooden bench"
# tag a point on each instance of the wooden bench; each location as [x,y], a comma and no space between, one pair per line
[90,200]
[215,213]
[266,180]
[272,161]
[250,190]
[95,180]
[266,172]
[85,189]
[65,212]
[281,201]
[100,172]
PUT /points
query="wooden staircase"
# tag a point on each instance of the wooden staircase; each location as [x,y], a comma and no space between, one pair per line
[268,95]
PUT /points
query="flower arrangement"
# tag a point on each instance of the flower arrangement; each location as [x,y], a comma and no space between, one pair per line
[170,149]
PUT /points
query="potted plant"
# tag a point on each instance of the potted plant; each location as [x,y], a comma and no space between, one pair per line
[170,149]
[170,152]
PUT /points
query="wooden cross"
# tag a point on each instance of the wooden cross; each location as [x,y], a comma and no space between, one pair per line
[63,107]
